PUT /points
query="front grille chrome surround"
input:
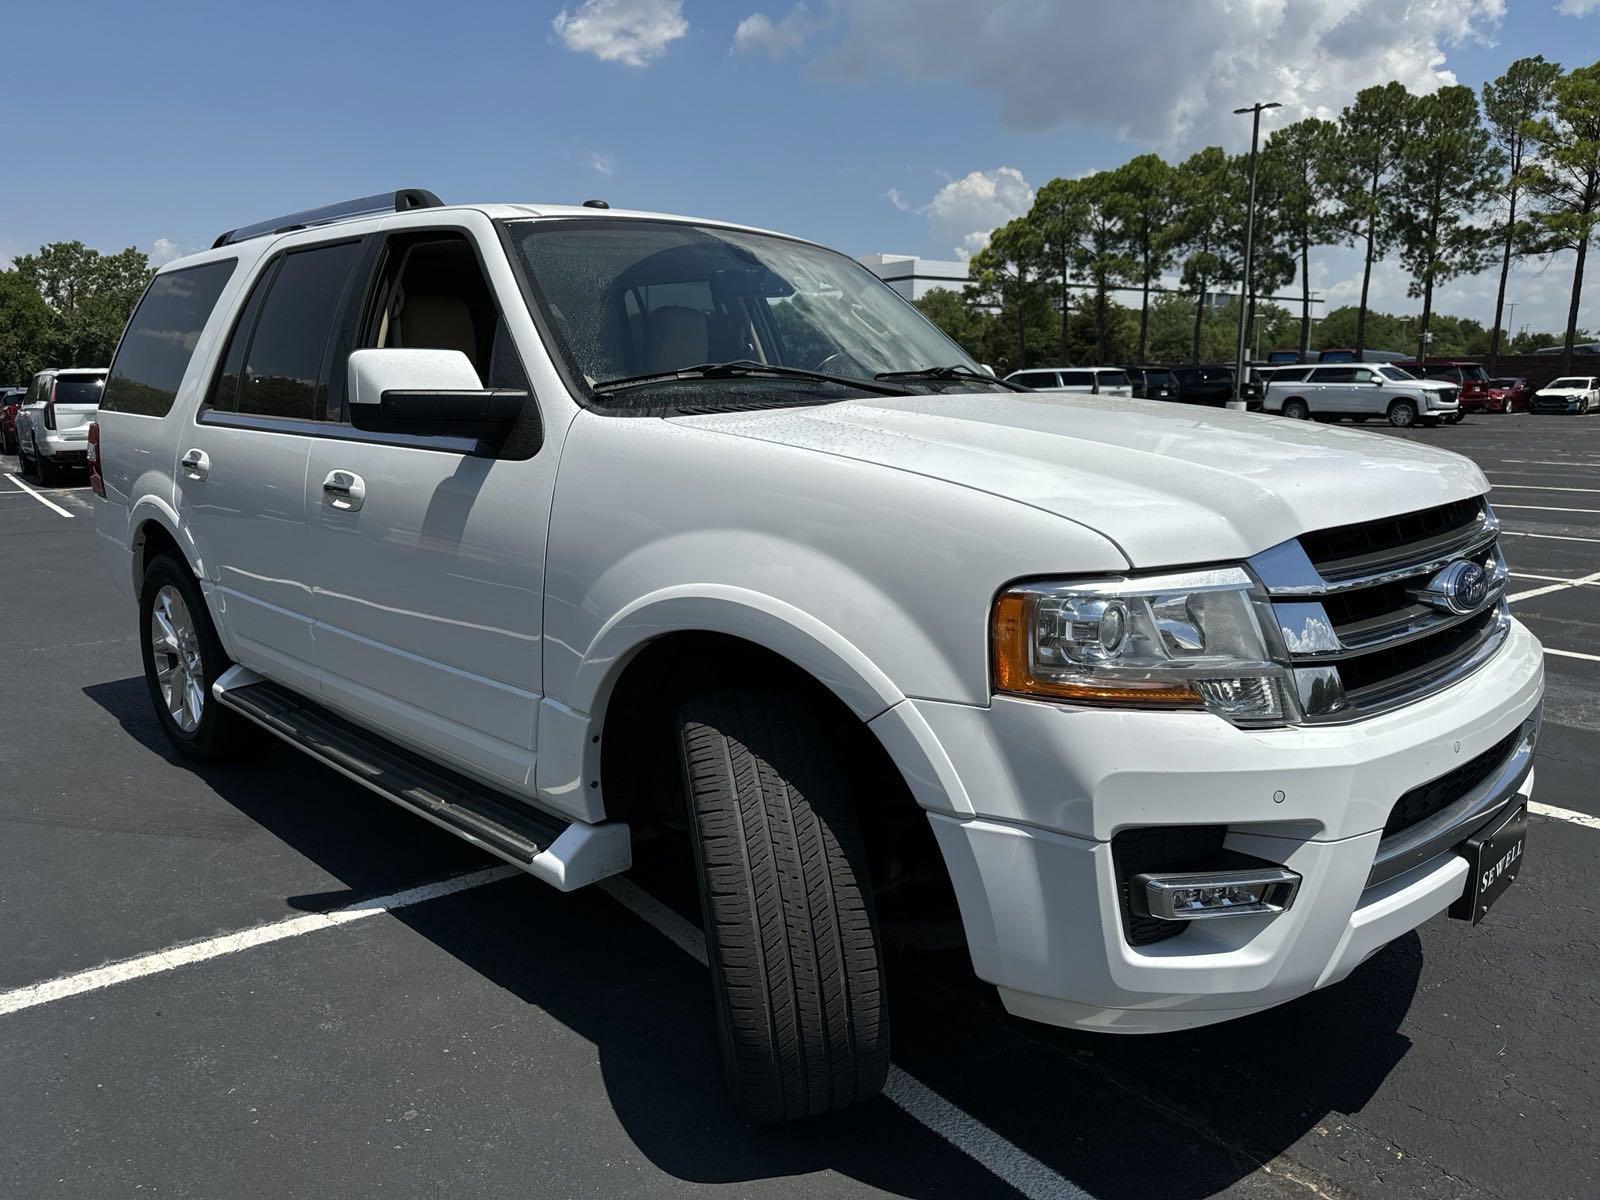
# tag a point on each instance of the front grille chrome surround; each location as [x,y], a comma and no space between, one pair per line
[1357,623]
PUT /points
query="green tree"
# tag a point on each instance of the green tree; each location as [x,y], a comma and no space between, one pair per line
[90,296]
[968,326]
[1447,166]
[1105,241]
[1208,206]
[1564,179]
[1005,275]
[25,328]
[1145,200]
[1362,174]
[1510,102]
[1059,216]
[1298,159]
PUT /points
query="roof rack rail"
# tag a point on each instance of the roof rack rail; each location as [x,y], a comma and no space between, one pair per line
[400,201]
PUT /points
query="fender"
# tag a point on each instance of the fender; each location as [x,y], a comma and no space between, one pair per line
[568,760]
[153,508]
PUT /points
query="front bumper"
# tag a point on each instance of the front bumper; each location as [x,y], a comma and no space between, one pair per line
[1047,787]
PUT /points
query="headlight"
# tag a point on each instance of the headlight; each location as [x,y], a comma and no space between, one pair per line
[1190,640]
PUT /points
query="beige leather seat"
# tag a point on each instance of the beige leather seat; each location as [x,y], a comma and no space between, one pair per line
[437,322]
[675,337]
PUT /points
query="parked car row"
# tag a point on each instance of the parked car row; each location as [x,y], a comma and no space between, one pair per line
[1194,384]
[47,425]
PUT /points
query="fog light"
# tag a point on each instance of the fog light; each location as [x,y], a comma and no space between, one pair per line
[1200,895]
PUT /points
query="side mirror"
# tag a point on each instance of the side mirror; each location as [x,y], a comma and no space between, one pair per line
[428,393]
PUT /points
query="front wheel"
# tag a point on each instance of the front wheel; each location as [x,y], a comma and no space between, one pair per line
[1296,409]
[791,936]
[43,467]
[1402,414]
[182,657]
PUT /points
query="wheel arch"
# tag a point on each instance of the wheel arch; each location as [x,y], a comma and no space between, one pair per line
[154,526]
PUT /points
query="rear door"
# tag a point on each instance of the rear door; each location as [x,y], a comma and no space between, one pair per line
[429,590]
[241,470]
[1330,389]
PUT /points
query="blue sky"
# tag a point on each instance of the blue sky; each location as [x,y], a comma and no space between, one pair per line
[870,125]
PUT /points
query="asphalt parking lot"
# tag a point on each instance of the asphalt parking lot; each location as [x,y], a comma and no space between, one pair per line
[504,1039]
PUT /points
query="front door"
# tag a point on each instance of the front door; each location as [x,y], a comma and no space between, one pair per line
[429,579]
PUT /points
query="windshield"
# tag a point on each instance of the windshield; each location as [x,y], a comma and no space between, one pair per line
[629,298]
[78,390]
[1395,373]
[1576,382]
[1476,374]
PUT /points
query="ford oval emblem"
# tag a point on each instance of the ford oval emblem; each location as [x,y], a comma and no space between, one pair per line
[1462,587]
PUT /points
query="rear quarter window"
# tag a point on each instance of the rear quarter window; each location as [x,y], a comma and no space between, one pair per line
[155,350]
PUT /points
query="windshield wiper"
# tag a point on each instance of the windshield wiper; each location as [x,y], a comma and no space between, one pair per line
[745,369]
[955,372]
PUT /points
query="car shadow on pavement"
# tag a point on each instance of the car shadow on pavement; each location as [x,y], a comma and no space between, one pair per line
[1184,1115]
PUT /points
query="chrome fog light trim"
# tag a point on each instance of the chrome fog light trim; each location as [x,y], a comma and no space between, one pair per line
[1201,895]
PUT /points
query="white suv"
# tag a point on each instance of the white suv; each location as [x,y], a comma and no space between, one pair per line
[1360,392]
[1097,381]
[53,421]
[559,526]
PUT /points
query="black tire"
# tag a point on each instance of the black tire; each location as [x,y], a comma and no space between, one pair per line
[1296,409]
[220,734]
[1402,414]
[22,462]
[43,467]
[791,935]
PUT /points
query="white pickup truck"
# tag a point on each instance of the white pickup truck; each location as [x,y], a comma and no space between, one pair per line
[558,526]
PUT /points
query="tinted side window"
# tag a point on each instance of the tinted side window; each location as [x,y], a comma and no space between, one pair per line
[1334,375]
[1076,379]
[1289,375]
[159,342]
[1114,379]
[283,365]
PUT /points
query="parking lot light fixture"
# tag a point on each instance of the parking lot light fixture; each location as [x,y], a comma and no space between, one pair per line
[1249,245]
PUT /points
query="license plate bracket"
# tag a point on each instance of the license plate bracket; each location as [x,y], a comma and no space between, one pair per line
[1494,859]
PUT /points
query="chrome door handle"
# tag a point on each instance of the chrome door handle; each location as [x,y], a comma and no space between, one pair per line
[196,464]
[344,490]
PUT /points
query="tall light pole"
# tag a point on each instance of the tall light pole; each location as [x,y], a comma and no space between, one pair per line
[1249,246]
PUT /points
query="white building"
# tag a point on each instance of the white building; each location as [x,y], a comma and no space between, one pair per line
[915,277]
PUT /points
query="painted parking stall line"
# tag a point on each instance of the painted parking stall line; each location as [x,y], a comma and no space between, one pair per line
[1006,1161]
[1557,586]
[42,499]
[190,953]
[1563,814]
[1001,1158]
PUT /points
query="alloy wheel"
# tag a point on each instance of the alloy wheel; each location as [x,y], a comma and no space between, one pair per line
[180,671]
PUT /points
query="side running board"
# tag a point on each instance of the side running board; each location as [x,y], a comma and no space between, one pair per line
[564,854]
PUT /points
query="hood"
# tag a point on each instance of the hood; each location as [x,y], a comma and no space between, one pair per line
[1168,483]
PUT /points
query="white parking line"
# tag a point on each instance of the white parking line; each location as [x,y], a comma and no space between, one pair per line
[1549,537]
[231,943]
[1547,508]
[1563,814]
[1572,654]
[1548,462]
[44,500]
[966,1133]
[1560,586]
[1541,578]
[1001,1158]
[1540,487]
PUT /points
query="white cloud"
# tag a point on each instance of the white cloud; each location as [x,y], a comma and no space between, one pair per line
[760,33]
[631,32]
[1160,73]
[965,211]
[1577,8]
[164,250]
[603,164]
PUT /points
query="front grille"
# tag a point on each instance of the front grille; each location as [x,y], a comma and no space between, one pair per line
[1352,602]
[1435,796]
[1448,395]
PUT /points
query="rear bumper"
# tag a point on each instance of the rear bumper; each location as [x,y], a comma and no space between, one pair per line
[1049,787]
